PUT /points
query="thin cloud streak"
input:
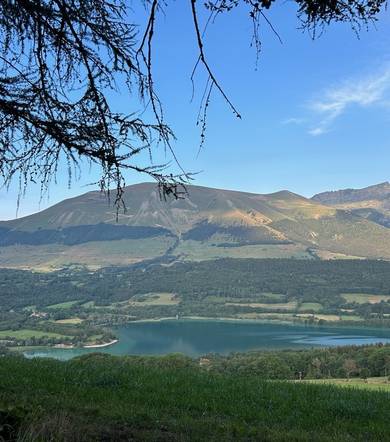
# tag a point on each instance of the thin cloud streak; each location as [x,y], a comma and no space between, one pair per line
[318,131]
[370,91]
[294,120]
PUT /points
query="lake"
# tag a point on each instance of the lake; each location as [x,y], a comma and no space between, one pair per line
[199,337]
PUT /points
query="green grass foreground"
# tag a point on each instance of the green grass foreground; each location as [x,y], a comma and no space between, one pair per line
[104,398]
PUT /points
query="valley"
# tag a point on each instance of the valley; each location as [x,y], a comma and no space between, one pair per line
[78,307]
[72,273]
[274,303]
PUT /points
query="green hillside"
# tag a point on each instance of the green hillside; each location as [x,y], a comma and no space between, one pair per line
[171,399]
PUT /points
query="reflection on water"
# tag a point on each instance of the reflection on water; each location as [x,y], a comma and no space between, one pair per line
[195,338]
[334,341]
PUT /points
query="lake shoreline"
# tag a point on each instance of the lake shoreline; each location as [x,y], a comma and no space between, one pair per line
[197,336]
[205,319]
[208,318]
[298,323]
[107,344]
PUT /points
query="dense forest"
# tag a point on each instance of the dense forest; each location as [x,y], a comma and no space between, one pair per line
[320,363]
[321,281]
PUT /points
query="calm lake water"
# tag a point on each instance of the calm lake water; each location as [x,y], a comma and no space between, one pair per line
[195,338]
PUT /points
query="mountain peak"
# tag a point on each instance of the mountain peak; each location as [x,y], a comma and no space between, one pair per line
[285,195]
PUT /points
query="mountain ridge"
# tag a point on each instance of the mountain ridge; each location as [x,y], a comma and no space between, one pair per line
[380,191]
[372,202]
[207,224]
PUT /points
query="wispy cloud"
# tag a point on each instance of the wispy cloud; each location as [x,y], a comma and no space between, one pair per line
[294,121]
[363,92]
[318,131]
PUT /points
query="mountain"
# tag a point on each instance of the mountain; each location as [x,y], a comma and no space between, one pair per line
[372,203]
[208,223]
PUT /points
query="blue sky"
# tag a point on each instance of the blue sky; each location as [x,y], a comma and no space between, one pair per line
[315,114]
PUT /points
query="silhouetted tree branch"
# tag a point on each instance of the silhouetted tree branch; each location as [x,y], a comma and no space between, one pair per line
[60,58]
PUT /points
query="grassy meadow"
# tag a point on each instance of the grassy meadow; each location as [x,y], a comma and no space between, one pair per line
[170,399]
[377,383]
[27,334]
[364,298]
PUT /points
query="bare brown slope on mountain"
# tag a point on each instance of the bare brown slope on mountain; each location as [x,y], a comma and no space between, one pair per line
[208,223]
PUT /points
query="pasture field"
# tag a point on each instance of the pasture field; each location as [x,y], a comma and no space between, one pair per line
[93,254]
[223,299]
[331,318]
[274,296]
[198,251]
[266,316]
[88,304]
[27,334]
[312,306]
[62,305]
[378,383]
[154,299]
[351,318]
[363,298]
[69,321]
[292,305]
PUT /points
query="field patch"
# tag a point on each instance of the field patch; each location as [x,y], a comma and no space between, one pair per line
[364,298]
[69,321]
[266,316]
[258,297]
[27,334]
[154,299]
[377,383]
[88,304]
[313,306]
[190,250]
[62,305]
[331,318]
[328,255]
[318,317]
[351,318]
[292,305]
[274,296]
[94,254]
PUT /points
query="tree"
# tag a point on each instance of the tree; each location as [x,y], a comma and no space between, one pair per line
[350,367]
[379,362]
[316,365]
[59,59]
[364,373]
